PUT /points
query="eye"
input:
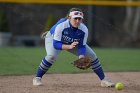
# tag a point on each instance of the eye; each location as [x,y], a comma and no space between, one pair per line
[77,18]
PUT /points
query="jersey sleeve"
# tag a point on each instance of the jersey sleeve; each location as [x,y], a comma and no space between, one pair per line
[82,43]
[54,27]
[57,44]
[81,50]
[58,32]
[85,36]
[57,37]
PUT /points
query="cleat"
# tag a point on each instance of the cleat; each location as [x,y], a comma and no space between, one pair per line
[107,83]
[37,81]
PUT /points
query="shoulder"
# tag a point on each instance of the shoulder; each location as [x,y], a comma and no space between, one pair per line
[62,20]
[63,24]
[58,25]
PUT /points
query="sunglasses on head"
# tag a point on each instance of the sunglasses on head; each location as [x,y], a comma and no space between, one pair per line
[77,18]
[78,13]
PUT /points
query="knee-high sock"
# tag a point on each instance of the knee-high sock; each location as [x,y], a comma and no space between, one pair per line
[43,68]
[97,68]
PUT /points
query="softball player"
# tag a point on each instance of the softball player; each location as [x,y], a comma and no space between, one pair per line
[69,34]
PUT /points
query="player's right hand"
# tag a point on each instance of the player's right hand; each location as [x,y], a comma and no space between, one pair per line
[73,45]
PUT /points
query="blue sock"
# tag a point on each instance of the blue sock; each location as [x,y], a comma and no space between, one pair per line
[43,68]
[97,68]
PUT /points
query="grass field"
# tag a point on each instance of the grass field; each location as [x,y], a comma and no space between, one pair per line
[22,60]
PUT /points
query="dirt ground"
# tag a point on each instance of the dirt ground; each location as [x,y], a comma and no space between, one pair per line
[70,83]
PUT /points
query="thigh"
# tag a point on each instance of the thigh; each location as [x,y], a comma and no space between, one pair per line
[90,52]
[50,50]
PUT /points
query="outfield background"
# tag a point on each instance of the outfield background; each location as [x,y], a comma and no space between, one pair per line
[111,23]
[25,61]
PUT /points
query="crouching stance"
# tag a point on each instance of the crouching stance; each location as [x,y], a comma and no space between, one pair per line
[69,34]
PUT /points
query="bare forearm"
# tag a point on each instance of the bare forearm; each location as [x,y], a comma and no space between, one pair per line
[65,47]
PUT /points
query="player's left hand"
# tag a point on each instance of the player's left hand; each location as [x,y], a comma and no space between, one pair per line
[83,63]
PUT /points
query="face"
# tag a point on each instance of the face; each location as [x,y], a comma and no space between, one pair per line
[75,21]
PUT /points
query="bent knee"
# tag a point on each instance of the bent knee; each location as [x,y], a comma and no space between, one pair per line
[50,58]
[93,57]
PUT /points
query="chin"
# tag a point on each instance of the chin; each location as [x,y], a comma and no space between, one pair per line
[76,26]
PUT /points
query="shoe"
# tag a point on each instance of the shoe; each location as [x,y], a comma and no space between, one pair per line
[107,83]
[37,81]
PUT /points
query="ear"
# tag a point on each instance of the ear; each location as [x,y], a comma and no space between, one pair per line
[69,17]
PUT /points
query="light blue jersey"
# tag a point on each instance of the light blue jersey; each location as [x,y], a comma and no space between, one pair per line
[64,32]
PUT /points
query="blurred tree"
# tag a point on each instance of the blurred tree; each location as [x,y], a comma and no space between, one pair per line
[3,22]
[132,20]
[50,22]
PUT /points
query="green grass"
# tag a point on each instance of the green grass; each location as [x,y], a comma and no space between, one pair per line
[19,61]
[120,59]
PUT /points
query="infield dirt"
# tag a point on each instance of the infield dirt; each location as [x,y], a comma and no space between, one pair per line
[70,83]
